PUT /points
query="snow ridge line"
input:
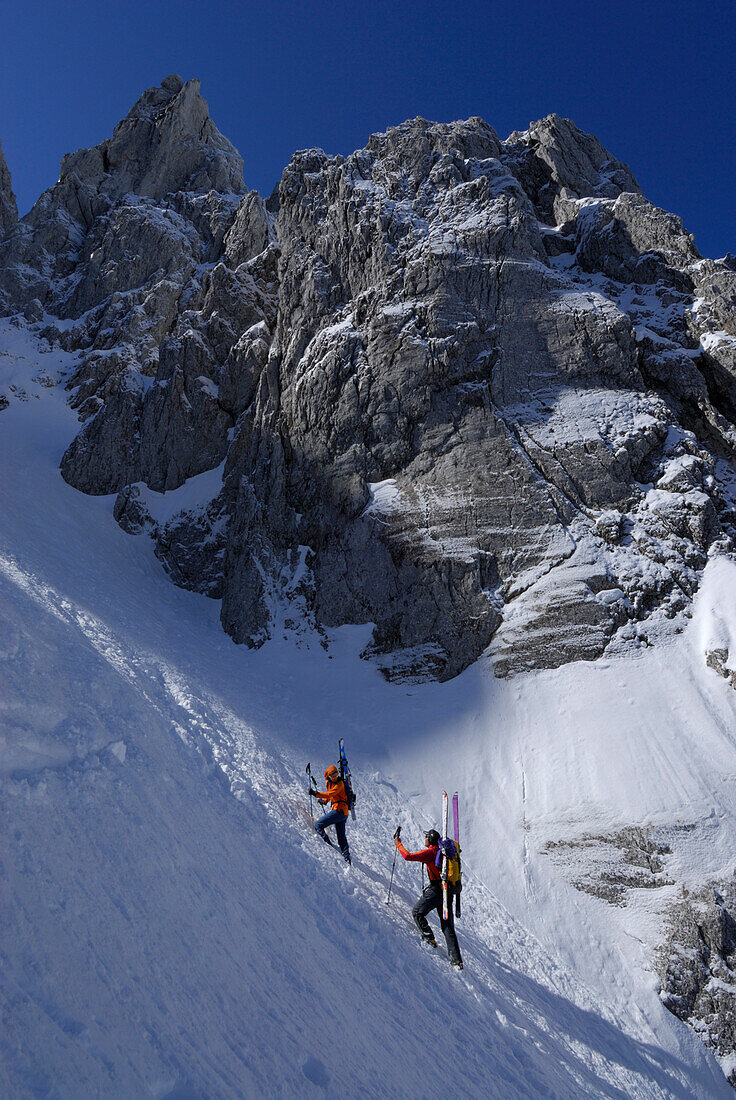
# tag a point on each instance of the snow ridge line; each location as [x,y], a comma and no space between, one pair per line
[224,740]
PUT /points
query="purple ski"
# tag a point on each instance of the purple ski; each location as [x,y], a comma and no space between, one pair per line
[456,827]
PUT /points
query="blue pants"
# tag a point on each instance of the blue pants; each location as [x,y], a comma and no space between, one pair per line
[334,817]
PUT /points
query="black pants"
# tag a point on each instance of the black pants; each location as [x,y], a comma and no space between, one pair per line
[432,899]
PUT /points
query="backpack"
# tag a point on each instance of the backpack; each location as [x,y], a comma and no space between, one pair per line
[346,778]
[451,852]
[455,870]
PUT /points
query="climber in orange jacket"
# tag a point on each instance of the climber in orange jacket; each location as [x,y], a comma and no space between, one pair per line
[338,815]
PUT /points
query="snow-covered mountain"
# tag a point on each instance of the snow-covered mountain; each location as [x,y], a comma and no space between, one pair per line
[462,407]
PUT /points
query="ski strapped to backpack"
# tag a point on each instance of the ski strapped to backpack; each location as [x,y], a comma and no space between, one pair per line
[347,778]
[455,870]
[442,856]
[448,857]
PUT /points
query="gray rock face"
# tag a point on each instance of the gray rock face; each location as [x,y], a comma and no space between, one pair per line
[167,145]
[8,205]
[463,389]
[446,413]
[127,243]
[162,420]
[697,969]
[191,548]
[611,866]
[632,241]
[556,163]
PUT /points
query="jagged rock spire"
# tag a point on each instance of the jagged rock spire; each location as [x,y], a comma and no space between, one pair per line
[556,162]
[8,205]
[166,147]
[166,143]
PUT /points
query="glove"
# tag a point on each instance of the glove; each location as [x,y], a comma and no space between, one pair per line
[397,834]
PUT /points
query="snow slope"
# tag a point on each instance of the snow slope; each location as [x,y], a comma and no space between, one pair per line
[172,929]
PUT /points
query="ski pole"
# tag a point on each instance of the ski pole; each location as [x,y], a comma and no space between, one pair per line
[308,770]
[397,836]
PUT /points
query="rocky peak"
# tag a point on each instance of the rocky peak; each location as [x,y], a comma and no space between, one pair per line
[154,100]
[166,143]
[556,161]
[8,206]
[83,238]
[408,155]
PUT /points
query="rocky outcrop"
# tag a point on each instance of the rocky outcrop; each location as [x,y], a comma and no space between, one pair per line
[610,867]
[166,145]
[8,205]
[695,962]
[697,968]
[426,340]
[162,420]
[127,243]
[467,390]
[632,241]
[557,164]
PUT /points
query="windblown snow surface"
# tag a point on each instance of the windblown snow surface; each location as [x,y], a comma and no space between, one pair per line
[171,928]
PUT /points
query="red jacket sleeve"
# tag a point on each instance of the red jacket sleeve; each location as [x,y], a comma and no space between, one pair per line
[427,855]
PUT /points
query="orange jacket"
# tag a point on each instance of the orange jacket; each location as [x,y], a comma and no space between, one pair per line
[336,794]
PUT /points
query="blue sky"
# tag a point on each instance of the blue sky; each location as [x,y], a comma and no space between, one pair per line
[654,81]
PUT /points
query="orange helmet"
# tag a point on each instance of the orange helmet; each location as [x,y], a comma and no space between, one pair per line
[332,772]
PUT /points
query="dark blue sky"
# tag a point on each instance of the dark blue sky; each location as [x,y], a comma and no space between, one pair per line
[654,81]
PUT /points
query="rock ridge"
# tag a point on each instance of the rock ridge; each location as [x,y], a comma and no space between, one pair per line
[477,393]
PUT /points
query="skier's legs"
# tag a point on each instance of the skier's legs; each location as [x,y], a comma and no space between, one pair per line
[342,839]
[448,927]
[430,899]
[330,818]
